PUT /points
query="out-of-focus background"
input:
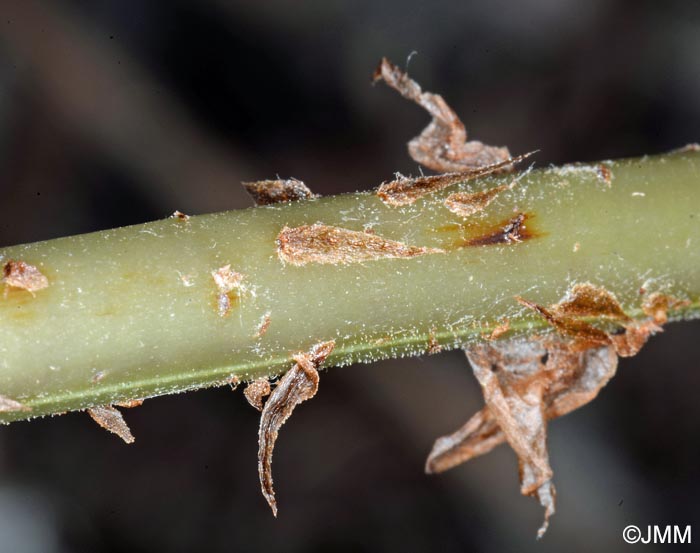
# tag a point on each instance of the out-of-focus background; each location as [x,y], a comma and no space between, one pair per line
[115,112]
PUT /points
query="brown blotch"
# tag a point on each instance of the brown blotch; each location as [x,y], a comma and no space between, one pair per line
[230,285]
[525,384]
[405,191]
[21,275]
[508,232]
[334,245]
[255,392]
[9,405]
[442,146]
[266,192]
[263,326]
[111,419]
[180,216]
[297,385]
[465,204]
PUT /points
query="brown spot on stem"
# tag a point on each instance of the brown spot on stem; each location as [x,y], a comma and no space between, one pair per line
[255,392]
[465,204]
[442,146]
[299,384]
[9,405]
[334,245]
[508,232]
[230,285]
[405,191]
[266,192]
[605,174]
[21,275]
[233,381]
[111,419]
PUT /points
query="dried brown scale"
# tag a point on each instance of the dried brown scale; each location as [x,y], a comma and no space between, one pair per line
[21,275]
[8,405]
[180,216]
[465,204]
[658,305]
[267,192]
[256,391]
[433,345]
[525,384]
[299,384]
[588,301]
[130,404]
[324,244]
[111,419]
[442,146]
[405,191]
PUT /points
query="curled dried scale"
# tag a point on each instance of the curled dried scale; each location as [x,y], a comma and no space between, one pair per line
[111,419]
[21,275]
[266,192]
[325,244]
[180,216]
[442,146]
[255,392]
[525,384]
[297,385]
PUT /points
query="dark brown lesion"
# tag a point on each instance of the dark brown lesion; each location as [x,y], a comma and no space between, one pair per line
[273,191]
[482,233]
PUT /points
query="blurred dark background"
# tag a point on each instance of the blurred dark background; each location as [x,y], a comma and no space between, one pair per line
[115,112]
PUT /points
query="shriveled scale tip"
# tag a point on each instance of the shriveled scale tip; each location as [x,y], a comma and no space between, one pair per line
[405,191]
[299,384]
[255,392]
[273,191]
[111,419]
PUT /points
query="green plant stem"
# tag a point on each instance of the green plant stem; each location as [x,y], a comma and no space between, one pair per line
[132,312]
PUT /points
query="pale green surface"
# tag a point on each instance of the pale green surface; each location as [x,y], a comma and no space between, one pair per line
[117,305]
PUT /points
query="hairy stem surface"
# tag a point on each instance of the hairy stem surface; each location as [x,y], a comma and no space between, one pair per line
[135,312]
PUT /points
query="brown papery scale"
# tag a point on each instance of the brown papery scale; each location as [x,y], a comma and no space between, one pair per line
[329,245]
[297,385]
[267,192]
[24,276]
[442,146]
[111,419]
